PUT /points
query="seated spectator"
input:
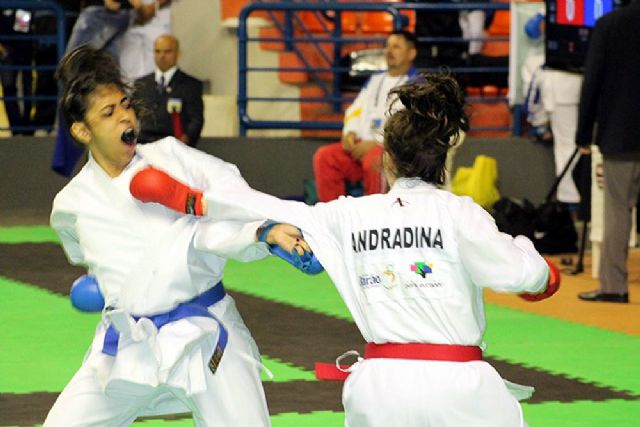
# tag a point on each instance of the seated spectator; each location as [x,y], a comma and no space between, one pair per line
[358,156]
[173,98]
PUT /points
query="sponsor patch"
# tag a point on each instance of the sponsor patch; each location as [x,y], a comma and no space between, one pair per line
[369,280]
[422,268]
[389,277]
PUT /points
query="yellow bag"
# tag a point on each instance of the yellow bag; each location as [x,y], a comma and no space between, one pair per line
[478,181]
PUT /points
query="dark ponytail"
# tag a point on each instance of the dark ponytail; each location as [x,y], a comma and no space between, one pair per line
[419,135]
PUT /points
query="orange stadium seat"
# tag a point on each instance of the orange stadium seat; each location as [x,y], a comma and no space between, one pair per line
[232,8]
[291,60]
[489,114]
[500,27]
[382,22]
[316,23]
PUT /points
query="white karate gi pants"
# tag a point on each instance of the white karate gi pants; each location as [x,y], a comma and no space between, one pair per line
[234,396]
[419,393]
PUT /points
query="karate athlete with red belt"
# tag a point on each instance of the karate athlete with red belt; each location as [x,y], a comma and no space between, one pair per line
[411,266]
[171,339]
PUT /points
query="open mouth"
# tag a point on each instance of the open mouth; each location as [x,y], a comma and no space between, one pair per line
[129,136]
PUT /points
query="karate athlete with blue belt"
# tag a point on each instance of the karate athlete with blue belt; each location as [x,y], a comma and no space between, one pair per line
[171,339]
[411,266]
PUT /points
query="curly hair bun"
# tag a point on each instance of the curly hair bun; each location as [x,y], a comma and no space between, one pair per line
[432,121]
[435,102]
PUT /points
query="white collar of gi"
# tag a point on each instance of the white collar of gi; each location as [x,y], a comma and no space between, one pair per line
[168,75]
[409,183]
[94,165]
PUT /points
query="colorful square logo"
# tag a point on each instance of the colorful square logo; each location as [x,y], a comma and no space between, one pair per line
[422,268]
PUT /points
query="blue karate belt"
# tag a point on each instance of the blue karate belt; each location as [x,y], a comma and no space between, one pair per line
[194,307]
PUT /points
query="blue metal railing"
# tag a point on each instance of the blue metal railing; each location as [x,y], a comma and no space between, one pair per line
[334,96]
[59,39]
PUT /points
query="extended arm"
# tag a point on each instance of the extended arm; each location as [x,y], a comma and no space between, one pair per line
[496,260]
[153,185]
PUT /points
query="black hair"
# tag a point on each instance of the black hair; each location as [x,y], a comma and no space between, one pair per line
[418,136]
[408,36]
[80,72]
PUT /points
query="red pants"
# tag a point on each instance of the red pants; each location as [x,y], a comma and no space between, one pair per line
[332,166]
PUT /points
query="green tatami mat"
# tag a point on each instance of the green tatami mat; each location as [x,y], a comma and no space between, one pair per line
[313,419]
[614,413]
[274,279]
[283,371]
[42,338]
[575,350]
[32,234]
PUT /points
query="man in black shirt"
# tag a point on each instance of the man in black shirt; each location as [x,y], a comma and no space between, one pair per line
[609,98]
[172,97]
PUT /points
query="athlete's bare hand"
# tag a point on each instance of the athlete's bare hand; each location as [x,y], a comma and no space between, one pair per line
[288,238]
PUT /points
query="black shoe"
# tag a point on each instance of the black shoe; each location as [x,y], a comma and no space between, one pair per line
[598,296]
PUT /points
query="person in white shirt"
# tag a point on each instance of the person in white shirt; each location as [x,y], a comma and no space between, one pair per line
[411,266]
[136,43]
[357,156]
[171,339]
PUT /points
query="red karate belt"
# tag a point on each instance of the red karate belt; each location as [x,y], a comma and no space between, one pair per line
[177,124]
[409,351]
[420,351]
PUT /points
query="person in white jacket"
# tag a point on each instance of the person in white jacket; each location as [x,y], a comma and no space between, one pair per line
[171,339]
[357,156]
[411,266]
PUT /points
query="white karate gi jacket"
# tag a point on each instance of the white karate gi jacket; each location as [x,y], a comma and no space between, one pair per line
[147,259]
[411,265]
[380,280]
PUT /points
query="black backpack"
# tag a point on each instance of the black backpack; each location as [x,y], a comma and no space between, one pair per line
[550,226]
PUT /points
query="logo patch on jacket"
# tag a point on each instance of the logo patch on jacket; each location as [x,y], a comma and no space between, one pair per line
[422,269]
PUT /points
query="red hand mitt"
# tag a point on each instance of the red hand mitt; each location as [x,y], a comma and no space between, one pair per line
[552,285]
[153,185]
